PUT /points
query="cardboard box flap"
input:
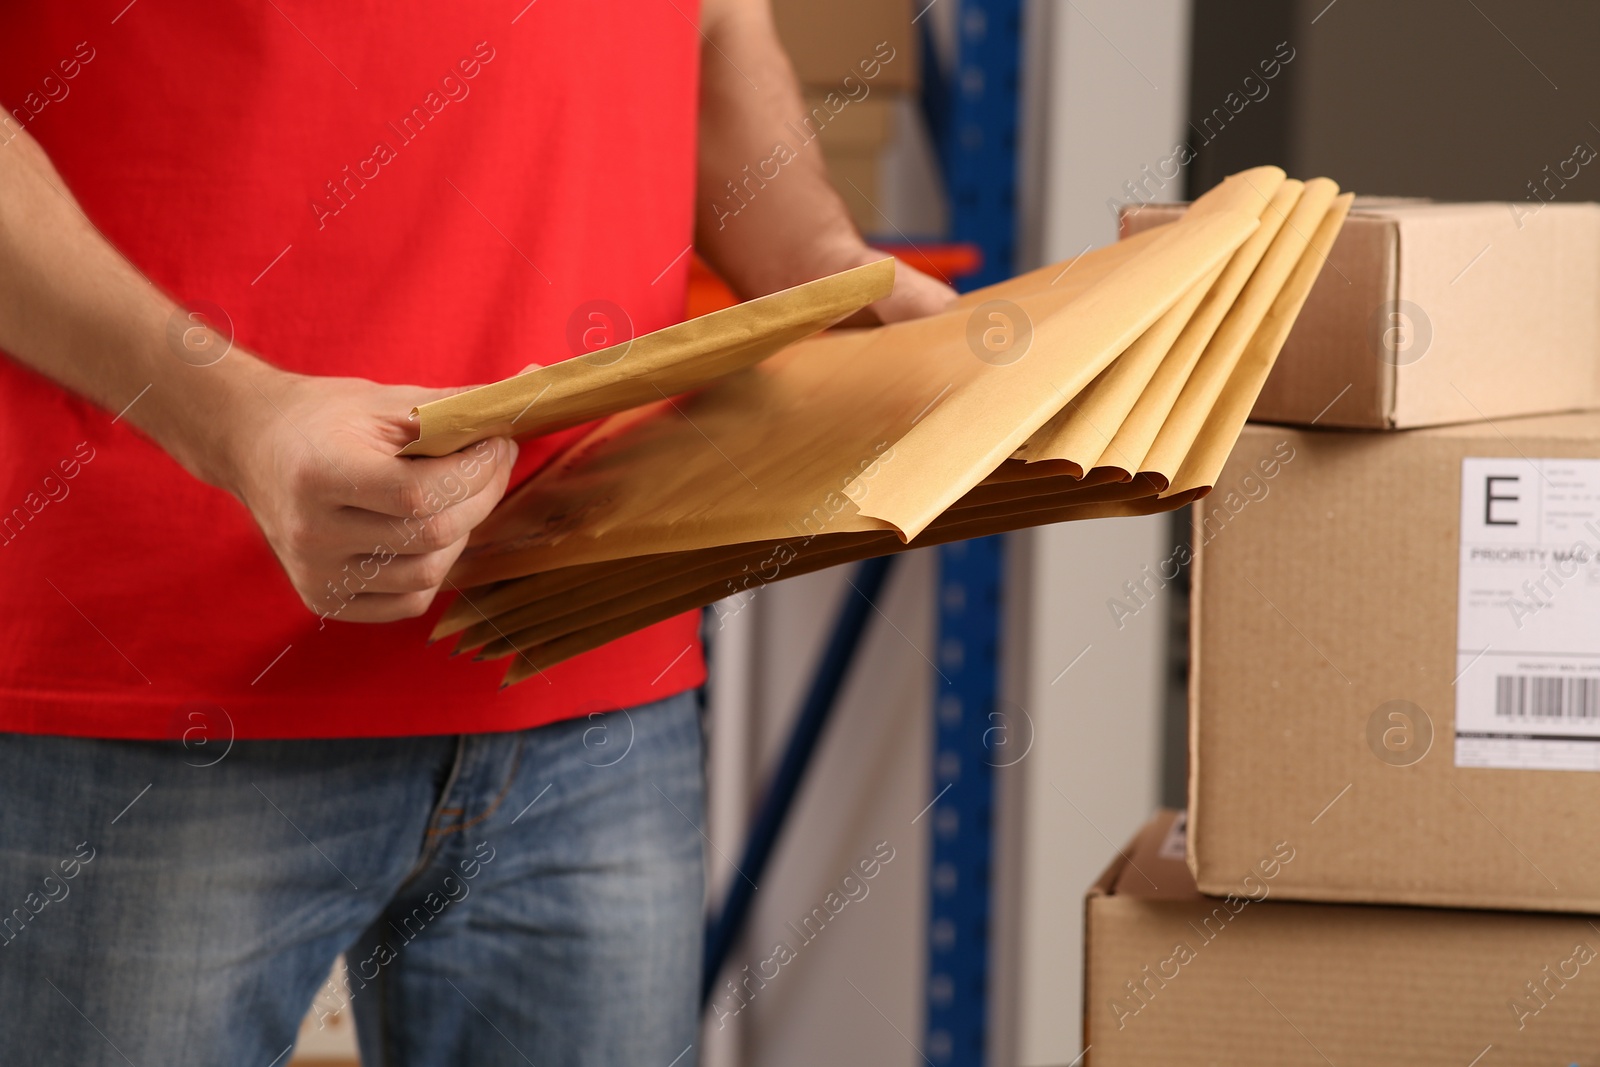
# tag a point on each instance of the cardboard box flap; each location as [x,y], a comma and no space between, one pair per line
[1153,865]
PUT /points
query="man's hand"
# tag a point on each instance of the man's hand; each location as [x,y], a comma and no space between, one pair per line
[364,535]
[914,295]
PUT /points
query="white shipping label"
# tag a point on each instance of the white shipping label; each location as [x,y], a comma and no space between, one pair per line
[1175,845]
[1528,616]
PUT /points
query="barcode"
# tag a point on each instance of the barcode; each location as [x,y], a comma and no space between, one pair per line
[1526,696]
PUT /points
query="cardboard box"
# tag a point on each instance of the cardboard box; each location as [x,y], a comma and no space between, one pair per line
[871,41]
[1428,314]
[1172,977]
[1396,640]
[843,125]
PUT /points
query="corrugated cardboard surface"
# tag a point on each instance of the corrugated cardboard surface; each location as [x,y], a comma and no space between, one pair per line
[827,40]
[1498,311]
[1274,983]
[1320,595]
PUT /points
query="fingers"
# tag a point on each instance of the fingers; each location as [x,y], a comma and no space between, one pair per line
[408,574]
[381,586]
[362,534]
[915,295]
[361,565]
[381,607]
[357,530]
[417,488]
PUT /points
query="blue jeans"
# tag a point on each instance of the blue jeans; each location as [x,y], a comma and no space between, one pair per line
[530,897]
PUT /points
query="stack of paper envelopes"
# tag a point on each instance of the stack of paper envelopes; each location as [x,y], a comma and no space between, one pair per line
[746,446]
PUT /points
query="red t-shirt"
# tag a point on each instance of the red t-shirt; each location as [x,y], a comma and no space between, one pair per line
[421,193]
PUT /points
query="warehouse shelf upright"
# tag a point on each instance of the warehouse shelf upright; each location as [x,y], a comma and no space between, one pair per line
[972,98]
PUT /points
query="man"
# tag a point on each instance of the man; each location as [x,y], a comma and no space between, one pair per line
[227,753]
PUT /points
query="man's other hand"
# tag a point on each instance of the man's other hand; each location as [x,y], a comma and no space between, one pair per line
[914,295]
[364,535]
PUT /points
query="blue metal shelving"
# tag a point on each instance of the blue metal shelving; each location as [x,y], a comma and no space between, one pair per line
[972,102]
[962,815]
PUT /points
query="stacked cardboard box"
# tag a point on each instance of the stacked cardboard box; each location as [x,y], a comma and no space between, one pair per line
[1175,977]
[858,62]
[1395,686]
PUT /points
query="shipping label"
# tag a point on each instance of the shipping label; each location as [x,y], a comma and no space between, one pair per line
[1528,615]
[1175,845]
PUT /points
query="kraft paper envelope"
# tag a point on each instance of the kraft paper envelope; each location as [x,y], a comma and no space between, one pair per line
[568,587]
[548,589]
[550,640]
[570,631]
[899,421]
[974,429]
[664,363]
[1183,424]
[644,613]
[1234,194]
[1130,447]
[1052,278]
[1137,391]
[531,658]
[669,593]
[614,593]
[539,617]
[1228,415]
[1080,433]
[1144,361]
[561,636]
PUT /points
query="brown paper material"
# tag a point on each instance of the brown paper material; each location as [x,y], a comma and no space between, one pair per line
[1185,424]
[608,594]
[1205,460]
[1080,433]
[863,442]
[727,572]
[969,433]
[1156,407]
[1256,980]
[564,589]
[827,432]
[638,617]
[648,368]
[1141,415]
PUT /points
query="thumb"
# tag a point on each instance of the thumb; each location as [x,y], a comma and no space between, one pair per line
[915,295]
